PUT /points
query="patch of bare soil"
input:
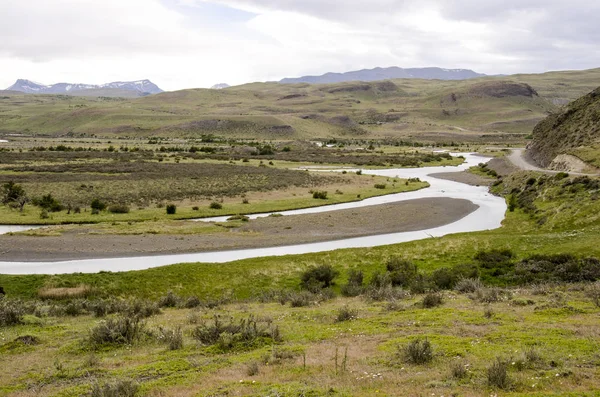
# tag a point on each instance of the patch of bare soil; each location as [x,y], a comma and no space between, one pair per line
[264,232]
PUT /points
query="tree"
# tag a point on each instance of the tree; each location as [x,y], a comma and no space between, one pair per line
[14,195]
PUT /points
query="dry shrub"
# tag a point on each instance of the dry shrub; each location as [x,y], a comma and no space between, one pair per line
[81,291]
[120,388]
[418,351]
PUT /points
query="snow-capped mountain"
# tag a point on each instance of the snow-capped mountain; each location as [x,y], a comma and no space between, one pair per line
[220,86]
[141,87]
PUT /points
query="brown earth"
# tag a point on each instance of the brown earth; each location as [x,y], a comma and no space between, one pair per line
[264,232]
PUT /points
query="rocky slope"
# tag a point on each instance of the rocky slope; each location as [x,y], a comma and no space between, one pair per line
[575,129]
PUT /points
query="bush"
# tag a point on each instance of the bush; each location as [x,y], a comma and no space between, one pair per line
[419,351]
[354,287]
[171,209]
[172,337]
[497,374]
[252,369]
[320,194]
[318,277]
[192,302]
[119,209]
[458,370]
[401,271]
[345,314]
[121,388]
[380,186]
[98,205]
[468,285]
[491,295]
[245,333]
[593,292]
[140,308]
[215,205]
[11,313]
[169,300]
[300,299]
[121,330]
[432,300]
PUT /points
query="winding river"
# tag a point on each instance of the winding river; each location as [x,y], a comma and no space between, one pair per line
[489,215]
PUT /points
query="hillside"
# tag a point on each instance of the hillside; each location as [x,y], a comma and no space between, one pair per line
[385,74]
[573,131]
[489,109]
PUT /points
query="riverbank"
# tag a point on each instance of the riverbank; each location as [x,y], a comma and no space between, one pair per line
[83,243]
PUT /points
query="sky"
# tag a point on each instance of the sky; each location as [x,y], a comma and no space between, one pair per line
[197,43]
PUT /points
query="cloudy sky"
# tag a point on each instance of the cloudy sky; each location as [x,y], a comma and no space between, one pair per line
[197,43]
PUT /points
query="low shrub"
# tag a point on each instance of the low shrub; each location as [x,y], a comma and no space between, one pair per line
[192,302]
[379,186]
[301,299]
[320,194]
[11,312]
[468,285]
[173,338]
[354,287]
[433,299]
[252,368]
[401,271]
[245,333]
[120,330]
[318,277]
[98,205]
[120,388]
[171,209]
[593,292]
[418,351]
[119,209]
[497,374]
[458,370]
[346,314]
[491,295]
[169,300]
[215,205]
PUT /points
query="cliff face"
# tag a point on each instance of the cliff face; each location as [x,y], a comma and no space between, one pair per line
[576,126]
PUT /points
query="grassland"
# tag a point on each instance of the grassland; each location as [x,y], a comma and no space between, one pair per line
[491,109]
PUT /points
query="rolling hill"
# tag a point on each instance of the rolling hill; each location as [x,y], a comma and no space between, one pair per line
[484,109]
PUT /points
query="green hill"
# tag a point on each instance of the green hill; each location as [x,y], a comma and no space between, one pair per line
[502,109]
[573,131]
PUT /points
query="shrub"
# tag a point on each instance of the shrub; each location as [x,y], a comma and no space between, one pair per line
[380,186]
[171,209]
[301,299]
[468,285]
[593,292]
[49,203]
[491,295]
[345,314]
[120,388]
[418,351]
[320,194]
[402,272]
[252,368]
[318,277]
[195,208]
[238,217]
[215,205]
[497,374]
[433,300]
[11,312]
[245,333]
[119,209]
[98,205]
[172,337]
[192,302]
[140,308]
[169,300]
[121,330]
[458,370]
[354,287]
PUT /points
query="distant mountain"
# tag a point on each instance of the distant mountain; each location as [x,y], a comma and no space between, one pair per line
[139,88]
[387,73]
[220,86]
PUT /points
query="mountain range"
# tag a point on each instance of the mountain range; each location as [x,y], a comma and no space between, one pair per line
[393,72]
[117,88]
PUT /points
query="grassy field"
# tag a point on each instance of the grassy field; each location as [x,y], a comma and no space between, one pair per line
[509,337]
[490,109]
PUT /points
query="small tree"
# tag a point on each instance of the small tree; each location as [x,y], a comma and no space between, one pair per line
[14,195]
[98,205]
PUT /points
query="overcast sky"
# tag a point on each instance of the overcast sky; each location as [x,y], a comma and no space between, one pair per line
[196,43]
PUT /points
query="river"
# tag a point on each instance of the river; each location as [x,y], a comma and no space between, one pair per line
[489,215]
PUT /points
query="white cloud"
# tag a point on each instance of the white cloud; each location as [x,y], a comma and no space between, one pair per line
[192,43]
